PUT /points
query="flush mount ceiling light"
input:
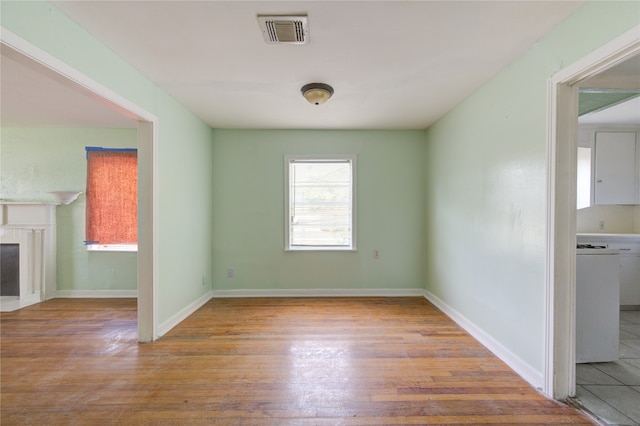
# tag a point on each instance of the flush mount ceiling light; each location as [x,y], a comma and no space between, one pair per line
[316,93]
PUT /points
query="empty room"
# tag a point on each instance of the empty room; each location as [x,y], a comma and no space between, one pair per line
[307,212]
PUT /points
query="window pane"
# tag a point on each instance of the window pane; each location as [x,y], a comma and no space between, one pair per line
[320,203]
[584,178]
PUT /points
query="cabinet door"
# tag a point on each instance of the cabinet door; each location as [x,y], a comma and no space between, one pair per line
[615,168]
[629,280]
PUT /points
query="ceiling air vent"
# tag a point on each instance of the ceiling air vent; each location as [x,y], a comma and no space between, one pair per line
[284,29]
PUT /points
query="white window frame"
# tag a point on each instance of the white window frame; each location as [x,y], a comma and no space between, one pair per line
[288,159]
[112,247]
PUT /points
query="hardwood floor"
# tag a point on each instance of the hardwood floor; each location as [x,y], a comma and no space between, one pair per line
[363,361]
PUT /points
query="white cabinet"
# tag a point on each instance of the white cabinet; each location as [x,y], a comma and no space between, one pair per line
[629,272]
[629,248]
[597,305]
[630,280]
[616,174]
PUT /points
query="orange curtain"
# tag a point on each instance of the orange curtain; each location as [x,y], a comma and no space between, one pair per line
[112,197]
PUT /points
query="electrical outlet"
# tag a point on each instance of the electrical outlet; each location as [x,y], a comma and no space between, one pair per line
[204,280]
[230,273]
[376,254]
[601,224]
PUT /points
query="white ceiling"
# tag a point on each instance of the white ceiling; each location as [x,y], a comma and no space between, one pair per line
[623,114]
[625,75]
[393,64]
[34,95]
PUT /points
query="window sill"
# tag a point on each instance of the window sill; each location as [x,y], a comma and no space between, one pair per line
[319,248]
[113,247]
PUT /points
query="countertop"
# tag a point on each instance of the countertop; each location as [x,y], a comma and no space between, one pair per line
[619,237]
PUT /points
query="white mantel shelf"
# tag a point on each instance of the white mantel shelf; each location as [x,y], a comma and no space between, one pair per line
[56,198]
[30,202]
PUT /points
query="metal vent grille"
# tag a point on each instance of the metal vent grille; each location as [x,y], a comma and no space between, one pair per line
[284,29]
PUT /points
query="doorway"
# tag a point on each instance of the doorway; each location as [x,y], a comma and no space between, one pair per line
[607,336]
[146,138]
[560,371]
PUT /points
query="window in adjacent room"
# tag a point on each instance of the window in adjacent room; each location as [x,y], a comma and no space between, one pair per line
[112,199]
[320,202]
[584,178]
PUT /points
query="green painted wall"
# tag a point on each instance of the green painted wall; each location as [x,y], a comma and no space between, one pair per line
[34,161]
[486,177]
[248,224]
[183,154]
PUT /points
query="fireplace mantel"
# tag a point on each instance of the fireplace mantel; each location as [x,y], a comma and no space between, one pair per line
[32,225]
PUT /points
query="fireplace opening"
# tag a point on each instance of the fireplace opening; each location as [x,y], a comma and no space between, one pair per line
[9,269]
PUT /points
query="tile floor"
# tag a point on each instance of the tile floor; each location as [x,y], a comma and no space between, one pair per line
[611,390]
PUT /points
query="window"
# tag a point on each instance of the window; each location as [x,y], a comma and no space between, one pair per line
[112,199]
[320,202]
[584,178]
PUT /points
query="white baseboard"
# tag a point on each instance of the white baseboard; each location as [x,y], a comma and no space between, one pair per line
[183,314]
[96,294]
[332,292]
[528,373]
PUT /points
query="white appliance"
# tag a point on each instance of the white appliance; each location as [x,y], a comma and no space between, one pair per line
[597,304]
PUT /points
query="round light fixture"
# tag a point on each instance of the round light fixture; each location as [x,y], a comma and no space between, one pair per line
[316,93]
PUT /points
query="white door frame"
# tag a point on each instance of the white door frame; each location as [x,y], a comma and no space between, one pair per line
[559,365]
[147,174]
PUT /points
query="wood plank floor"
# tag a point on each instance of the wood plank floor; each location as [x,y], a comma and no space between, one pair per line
[332,361]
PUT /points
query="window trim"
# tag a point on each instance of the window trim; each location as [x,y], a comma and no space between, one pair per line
[350,158]
[93,246]
[112,247]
